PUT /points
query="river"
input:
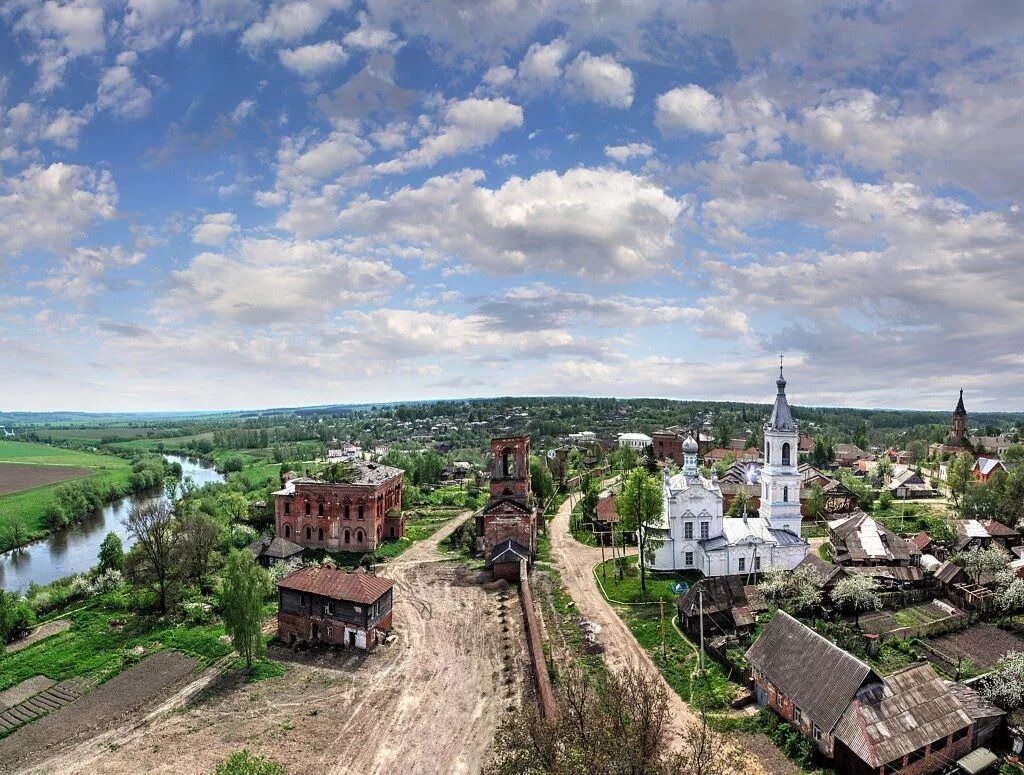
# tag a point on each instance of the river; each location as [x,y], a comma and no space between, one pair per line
[74,549]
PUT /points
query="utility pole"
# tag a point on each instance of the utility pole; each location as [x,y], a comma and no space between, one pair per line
[700,597]
[662,608]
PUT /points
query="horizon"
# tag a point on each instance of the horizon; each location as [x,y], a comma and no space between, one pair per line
[653,199]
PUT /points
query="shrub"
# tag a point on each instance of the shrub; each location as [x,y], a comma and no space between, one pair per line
[15,616]
[244,763]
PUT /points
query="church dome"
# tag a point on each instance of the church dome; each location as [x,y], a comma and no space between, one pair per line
[690,446]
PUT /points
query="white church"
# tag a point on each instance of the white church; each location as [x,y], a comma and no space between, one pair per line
[696,536]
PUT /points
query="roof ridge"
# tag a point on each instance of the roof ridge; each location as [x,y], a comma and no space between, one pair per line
[826,640]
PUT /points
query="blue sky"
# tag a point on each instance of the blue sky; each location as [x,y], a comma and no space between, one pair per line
[225,203]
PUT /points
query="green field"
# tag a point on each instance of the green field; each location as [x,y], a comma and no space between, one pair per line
[101,432]
[28,505]
[157,442]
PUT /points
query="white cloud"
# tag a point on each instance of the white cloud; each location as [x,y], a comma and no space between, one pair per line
[291,20]
[469,124]
[120,93]
[366,36]
[313,60]
[271,281]
[623,153]
[83,272]
[600,223]
[215,229]
[602,79]
[151,23]
[689,108]
[542,63]
[499,75]
[51,206]
[243,110]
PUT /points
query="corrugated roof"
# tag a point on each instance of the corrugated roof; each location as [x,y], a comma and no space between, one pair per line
[357,587]
[817,675]
[912,708]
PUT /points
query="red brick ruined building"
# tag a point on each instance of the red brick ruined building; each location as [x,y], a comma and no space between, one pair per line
[506,527]
[354,515]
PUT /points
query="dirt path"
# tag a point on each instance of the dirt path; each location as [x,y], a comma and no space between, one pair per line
[576,563]
[430,702]
[44,630]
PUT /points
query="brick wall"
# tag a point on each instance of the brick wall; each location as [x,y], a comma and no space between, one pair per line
[545,693]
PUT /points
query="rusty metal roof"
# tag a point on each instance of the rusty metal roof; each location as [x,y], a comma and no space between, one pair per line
[357,587]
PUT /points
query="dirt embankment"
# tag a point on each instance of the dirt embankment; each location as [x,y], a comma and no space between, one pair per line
[429,702]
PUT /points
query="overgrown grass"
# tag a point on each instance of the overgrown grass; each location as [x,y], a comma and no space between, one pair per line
[262,669]
[659,586]
[100,641]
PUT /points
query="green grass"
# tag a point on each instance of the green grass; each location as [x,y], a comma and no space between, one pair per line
[42,454]
[262,669]
[914,616]
[160,443]
[257,475]
[99,644]
[659,586]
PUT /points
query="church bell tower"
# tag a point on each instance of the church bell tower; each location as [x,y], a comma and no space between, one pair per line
[780,479]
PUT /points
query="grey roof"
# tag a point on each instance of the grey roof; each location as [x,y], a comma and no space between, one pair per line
[277,548]
[782,417]
[947,572]
[509,551]
[817,675]
[825,571]
[721,593]
[859,538]
[785,537]
[973,702]
[912,708]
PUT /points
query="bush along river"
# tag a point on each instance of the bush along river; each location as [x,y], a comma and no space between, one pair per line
[74,549]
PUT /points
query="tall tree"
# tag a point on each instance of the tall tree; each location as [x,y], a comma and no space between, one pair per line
[978,561]
[541,481]
[246,587]
[198,535]
[797,591]
[639,505]
[151,525]
[959,477]
[817,503]
[111,555]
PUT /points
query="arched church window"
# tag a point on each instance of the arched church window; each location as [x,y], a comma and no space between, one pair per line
[309,534]
[508,463]
[320,534]
[287,531]
[785,454]
[307,508]
[348,537]
[287,507]
[785,495]
[768,453]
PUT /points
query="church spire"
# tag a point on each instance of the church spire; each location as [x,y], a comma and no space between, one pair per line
[782,416]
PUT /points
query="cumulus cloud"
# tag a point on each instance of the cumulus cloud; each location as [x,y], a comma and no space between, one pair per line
[623,153]
[313,60]
[287,21]
[50,206]
[214,229]
[602,79]
[62,31]
[271,281]
[468,125]
[120,93]
[542,63]
[597,222]
[83,272]
[689,108]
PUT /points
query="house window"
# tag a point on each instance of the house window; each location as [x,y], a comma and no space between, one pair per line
[309,534]
[688,530]
[815,731]
[330,632]
[785,454]
[743,564]
[328,609]
[705,530]
[360,511]
[689,558]
[797,715]
[287,507]
[757,563]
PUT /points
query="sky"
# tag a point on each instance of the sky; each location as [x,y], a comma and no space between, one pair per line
[210,204]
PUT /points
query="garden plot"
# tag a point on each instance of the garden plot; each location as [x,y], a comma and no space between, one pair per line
[16,477]
[984,645]
[881,622]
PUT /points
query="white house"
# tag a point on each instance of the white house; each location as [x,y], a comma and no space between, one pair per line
[583,437]
[694,533]
[637,442]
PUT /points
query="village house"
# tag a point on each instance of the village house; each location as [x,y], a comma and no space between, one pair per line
[730,607]
[849,454]
[986,467]
[910,722]
[606,516]
[825,574]
[905,482]
[321,604]
[506,527]
[353,515]
[692,531]
[269,551]
[859,540]
[638,442]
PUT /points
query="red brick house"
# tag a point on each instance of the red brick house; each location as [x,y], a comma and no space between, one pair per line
[321,604]
[354,515]
[506,527]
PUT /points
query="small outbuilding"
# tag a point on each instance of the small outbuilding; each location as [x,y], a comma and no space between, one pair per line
[270,551]
[321,604]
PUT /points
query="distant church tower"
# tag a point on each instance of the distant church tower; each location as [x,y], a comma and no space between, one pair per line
[780,479]
[959,420]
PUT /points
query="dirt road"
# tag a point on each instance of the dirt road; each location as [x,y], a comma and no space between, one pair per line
[428,703]
[576,563]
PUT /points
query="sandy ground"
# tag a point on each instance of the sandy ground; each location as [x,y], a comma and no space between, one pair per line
[576,563]
[428,703]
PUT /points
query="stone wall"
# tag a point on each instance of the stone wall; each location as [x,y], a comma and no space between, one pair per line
[545,693]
